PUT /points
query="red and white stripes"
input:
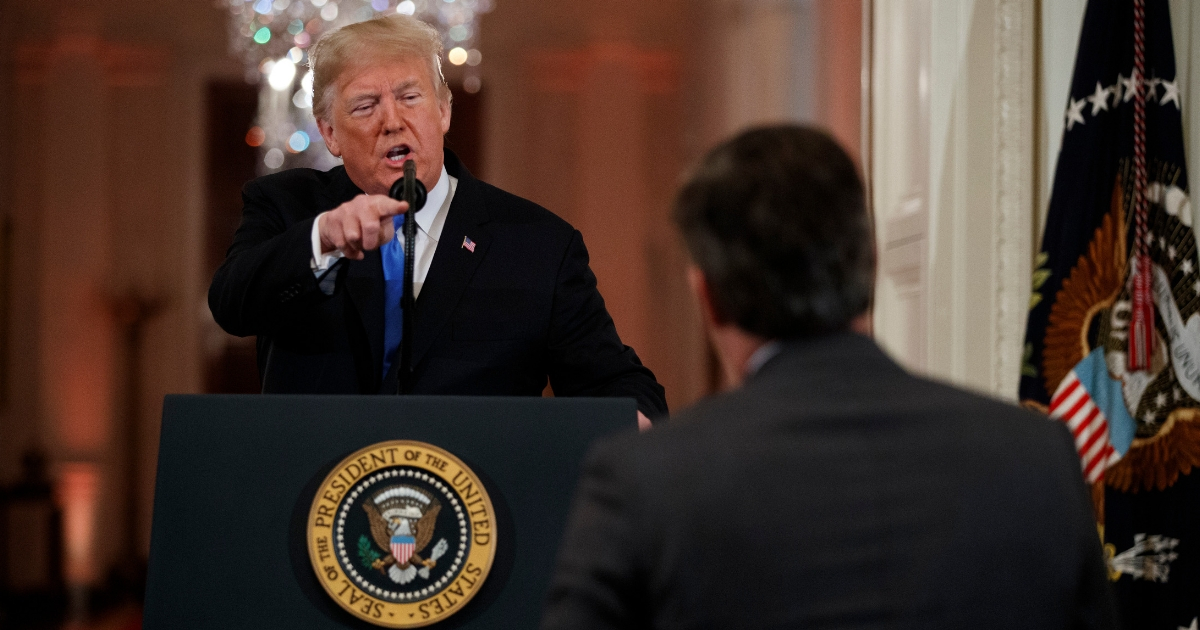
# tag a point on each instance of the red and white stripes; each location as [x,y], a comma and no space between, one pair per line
[1073,405]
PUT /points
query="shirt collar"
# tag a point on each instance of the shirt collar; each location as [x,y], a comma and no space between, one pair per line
[435,202]
[765,353]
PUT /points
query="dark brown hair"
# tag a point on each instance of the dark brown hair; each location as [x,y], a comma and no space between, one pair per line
[776,220]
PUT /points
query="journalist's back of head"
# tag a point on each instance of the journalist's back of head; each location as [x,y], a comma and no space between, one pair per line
[827,487]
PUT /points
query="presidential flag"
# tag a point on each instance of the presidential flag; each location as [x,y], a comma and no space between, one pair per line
[1112,345]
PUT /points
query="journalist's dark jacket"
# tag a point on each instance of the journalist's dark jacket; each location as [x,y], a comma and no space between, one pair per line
[834,490]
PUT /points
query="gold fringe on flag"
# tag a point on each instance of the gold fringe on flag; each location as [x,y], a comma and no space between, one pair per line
[1156,462]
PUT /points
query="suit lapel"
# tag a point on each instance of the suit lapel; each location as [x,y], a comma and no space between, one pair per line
[363,278]
[364,283]
[453,265]
[449,273]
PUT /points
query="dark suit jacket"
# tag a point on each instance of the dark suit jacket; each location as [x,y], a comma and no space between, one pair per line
[834,490]
[497,321]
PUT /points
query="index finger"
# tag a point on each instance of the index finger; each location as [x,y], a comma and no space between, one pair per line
[388,207]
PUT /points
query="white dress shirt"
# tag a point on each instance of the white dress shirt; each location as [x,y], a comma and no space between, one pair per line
[765,353]
[430,221]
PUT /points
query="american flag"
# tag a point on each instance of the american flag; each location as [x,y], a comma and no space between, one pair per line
[1090,402]
[1088,425]
[468,244]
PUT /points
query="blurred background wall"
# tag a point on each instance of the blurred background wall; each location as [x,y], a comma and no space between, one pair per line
[102,149]
[123,148]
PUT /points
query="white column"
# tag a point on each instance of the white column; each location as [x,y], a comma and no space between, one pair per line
[1185,22]
[953,170]
[900,177]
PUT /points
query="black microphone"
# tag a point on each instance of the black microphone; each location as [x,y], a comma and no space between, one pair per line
[410,189]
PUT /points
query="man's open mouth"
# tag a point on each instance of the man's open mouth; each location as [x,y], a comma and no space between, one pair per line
[397,154]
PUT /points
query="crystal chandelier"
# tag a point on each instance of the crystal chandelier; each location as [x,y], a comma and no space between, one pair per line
[272,37]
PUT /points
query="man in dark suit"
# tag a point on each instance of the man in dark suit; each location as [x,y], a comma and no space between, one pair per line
[828,487]
[505,297]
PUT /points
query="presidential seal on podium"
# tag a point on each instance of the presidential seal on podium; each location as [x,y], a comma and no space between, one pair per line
[401,534]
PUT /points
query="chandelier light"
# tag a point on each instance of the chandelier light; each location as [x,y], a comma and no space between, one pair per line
[272,38]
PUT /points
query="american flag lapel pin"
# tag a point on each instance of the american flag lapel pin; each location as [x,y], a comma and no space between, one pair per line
[468,244]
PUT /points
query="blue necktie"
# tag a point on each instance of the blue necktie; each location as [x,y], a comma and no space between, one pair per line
[393,292]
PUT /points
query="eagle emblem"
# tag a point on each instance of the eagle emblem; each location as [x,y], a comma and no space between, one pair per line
[1148,433]
[402,520]
[401,534]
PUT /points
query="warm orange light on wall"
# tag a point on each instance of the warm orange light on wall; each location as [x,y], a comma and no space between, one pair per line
[78,490]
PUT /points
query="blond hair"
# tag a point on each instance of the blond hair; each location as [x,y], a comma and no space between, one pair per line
[394,36]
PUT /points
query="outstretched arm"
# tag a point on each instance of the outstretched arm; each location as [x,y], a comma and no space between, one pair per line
[587,357]
[268,270]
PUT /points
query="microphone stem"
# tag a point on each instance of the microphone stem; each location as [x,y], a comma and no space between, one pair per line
[404,375]
[406,304]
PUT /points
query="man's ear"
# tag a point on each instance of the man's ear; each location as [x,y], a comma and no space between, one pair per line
[700,288]
[445,107]
[327,134]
